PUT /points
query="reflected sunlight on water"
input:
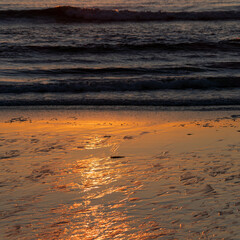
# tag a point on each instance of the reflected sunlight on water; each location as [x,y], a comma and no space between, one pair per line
[125,180]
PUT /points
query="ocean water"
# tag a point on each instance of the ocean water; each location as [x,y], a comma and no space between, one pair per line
[130,53]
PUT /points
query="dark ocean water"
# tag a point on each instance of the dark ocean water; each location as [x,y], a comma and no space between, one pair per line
[175,53]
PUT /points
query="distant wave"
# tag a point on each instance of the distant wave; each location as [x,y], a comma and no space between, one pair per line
[75,14]
[231,45]
[112,71]
[74,86]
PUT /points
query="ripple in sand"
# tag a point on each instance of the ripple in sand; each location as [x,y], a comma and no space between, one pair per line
[128,137]
[206,190]
[10,154]
[232,177]
[19,119]
[200,215]
[213,171]
[41,173]
[188,178]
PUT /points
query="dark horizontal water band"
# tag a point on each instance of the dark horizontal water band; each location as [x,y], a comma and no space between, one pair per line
[104,102]
[74,14]
[231,45]
[75,86]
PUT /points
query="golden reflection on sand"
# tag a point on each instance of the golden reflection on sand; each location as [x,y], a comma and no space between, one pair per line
[100,178]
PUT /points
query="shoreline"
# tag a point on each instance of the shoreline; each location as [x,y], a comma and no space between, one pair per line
[211,111]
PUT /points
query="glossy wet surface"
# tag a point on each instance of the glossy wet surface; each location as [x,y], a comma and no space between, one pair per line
[102,178]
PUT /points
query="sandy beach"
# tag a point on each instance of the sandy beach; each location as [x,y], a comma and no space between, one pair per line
[119,120]
[126,174]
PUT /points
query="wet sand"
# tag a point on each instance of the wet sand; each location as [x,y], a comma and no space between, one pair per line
[89,174]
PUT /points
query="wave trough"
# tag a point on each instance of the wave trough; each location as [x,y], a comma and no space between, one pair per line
[73,86]
[208,46]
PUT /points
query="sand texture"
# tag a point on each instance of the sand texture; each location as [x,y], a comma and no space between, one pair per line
[119,175]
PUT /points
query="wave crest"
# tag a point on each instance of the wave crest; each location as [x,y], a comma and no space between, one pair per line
[75,14]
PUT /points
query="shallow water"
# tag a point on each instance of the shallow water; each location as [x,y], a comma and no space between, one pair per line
[107,175]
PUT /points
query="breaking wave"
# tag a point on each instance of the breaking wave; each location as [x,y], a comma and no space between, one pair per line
[75,14]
